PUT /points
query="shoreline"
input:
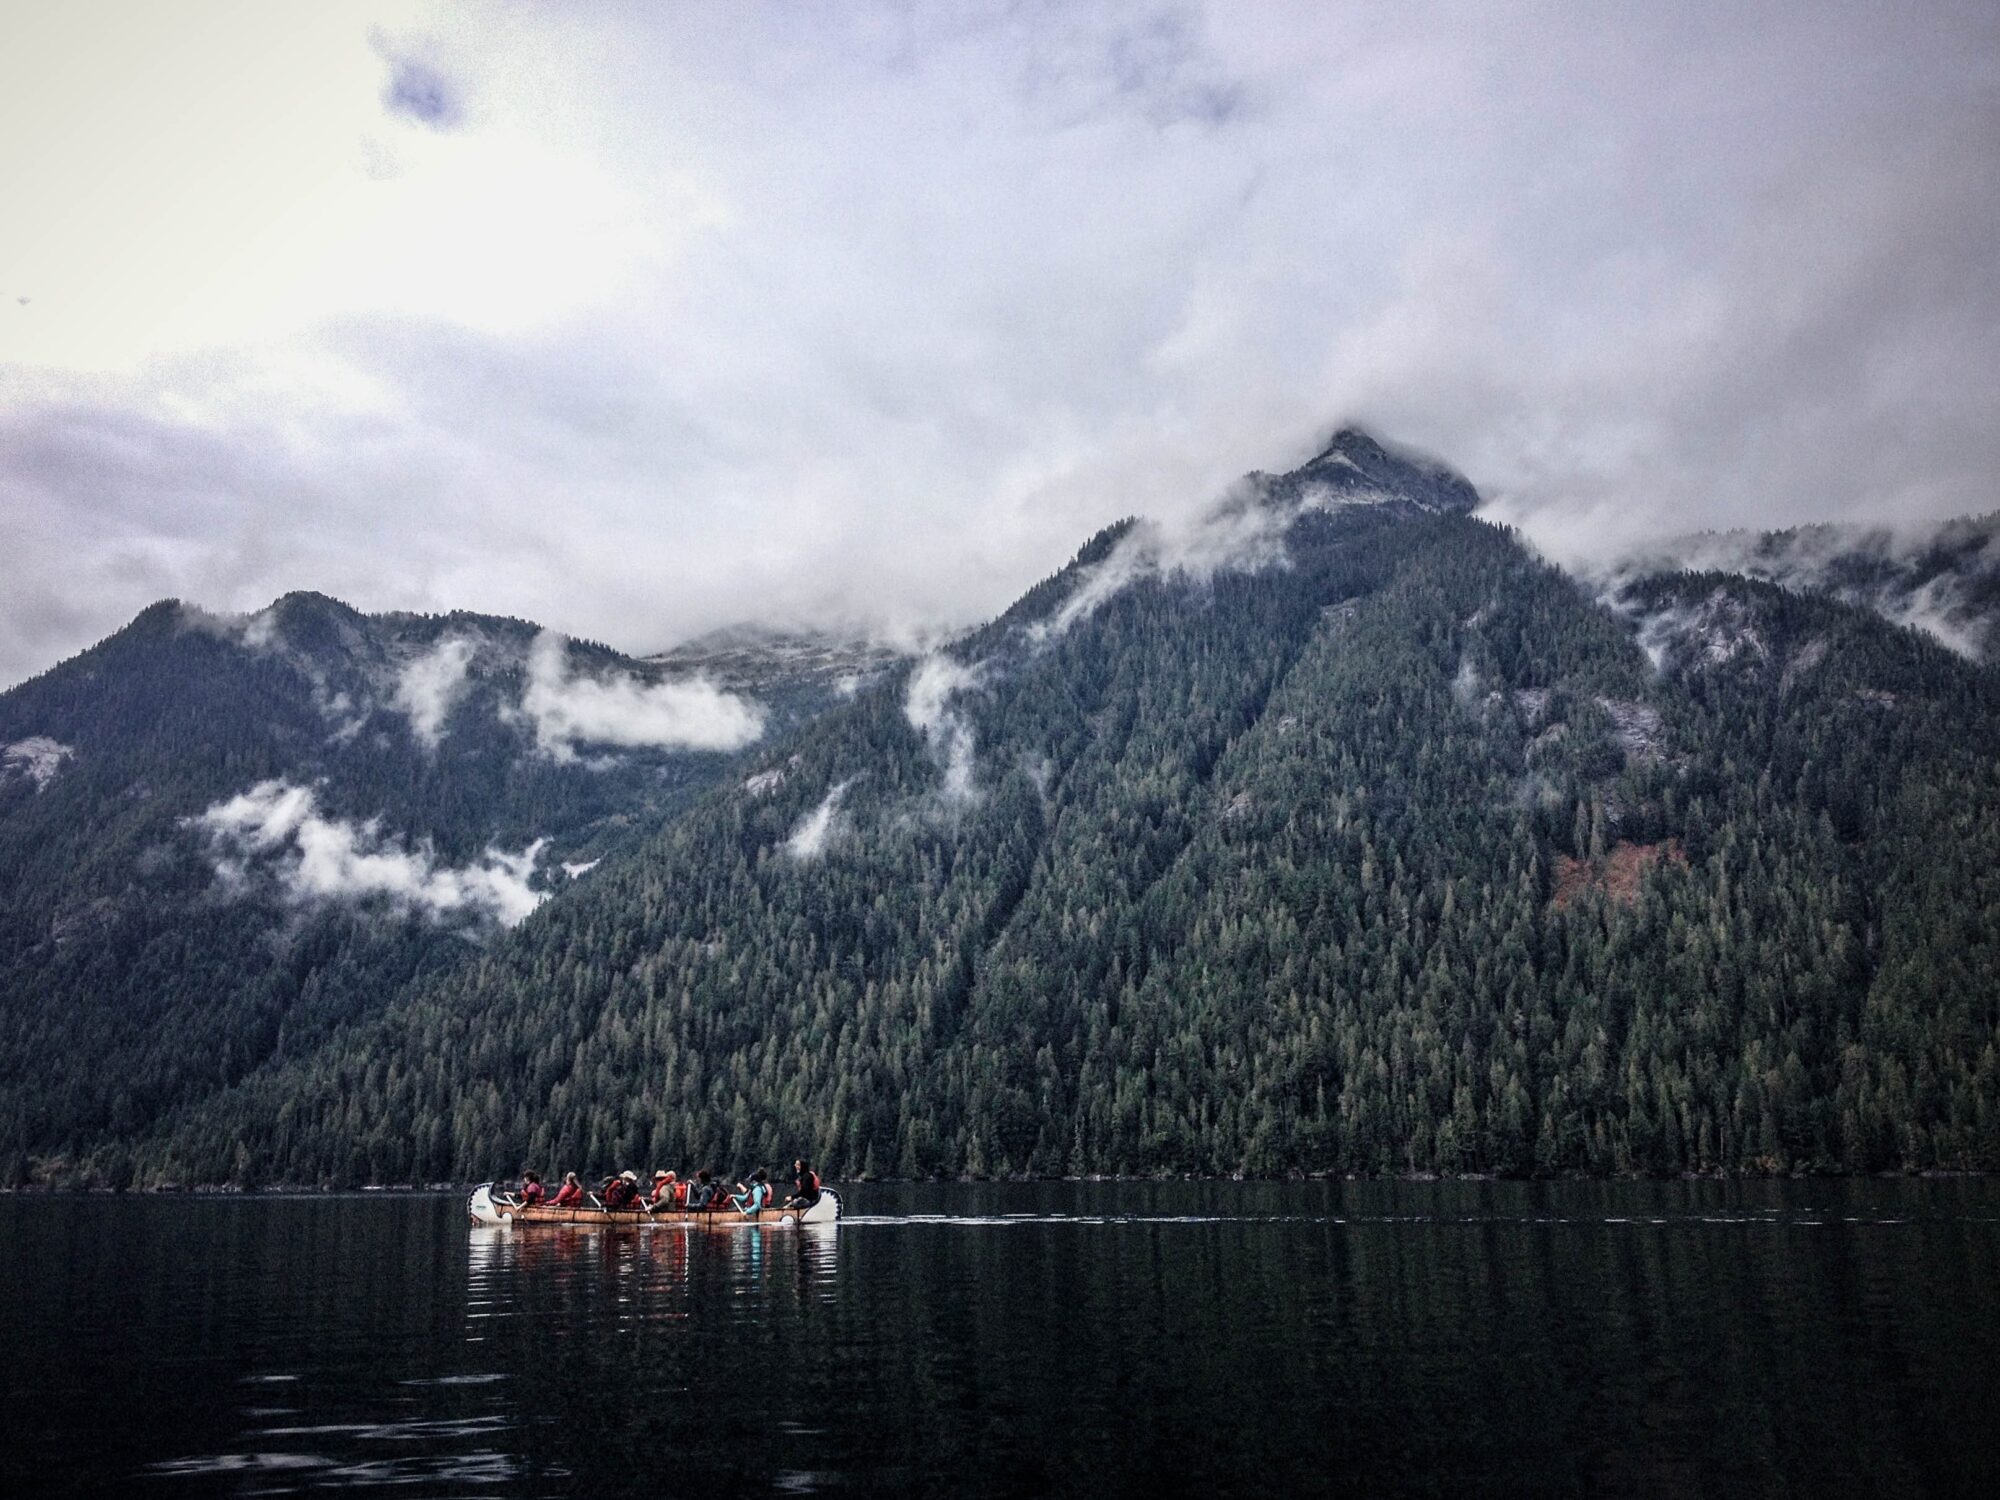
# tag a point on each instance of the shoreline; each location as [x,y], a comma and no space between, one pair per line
[443,1189]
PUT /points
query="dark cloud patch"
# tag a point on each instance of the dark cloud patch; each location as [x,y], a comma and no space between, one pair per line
[420,90]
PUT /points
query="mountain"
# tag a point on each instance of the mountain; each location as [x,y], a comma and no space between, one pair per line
[767,662]
[224,838]
[1335,833]
[1942,579]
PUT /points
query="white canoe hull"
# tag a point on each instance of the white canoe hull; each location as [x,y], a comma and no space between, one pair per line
[489,1210]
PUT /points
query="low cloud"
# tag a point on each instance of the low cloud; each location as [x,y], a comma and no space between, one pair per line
[428,688]
[928,705]
[274,833]
[256,631]
[1941,579]
[1244,532]
[1943,609]
[419,89]
[1679,633]
[1467,686]
[618,708]
[809,840]
[262,631]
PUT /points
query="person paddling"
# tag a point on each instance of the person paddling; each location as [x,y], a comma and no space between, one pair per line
[664,1184]
[570,1194]
[805,1185]
[751,1200]
[532,1192]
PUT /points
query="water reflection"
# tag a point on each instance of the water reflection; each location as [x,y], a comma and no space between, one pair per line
[1062,1338]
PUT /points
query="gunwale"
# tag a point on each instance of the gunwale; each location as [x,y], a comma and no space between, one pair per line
[490,1209]
[699,1218]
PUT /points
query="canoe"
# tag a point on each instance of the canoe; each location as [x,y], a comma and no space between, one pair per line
[490,1209]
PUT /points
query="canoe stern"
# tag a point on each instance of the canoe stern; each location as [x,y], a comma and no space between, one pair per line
[482,1210]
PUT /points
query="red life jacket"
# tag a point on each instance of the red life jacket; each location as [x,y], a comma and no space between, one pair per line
[532,1193]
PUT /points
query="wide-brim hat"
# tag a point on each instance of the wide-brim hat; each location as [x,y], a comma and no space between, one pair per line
[661,1176]
[629,1176]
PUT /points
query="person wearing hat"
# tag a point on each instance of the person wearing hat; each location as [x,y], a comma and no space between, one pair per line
[622,1191]
[666,1188]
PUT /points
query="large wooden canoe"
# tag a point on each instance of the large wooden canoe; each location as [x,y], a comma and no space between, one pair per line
[489,1209]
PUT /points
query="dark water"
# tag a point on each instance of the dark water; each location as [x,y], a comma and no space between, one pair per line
[1098,1339]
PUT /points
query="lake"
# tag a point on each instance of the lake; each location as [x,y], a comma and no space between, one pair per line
[1070,1338]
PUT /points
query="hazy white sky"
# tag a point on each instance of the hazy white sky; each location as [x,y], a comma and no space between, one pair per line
[637,320]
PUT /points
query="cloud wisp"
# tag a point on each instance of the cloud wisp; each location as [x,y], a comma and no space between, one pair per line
[1244,532]
[569,709]
[1943,580]
[929,706]
[275,833]
[431,685]
[809,840]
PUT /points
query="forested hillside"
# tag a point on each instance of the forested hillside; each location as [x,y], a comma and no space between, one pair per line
[223,839]
[1941,579]
[1341,834]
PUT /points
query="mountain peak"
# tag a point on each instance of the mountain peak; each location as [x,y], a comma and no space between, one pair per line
[1356,464]
[1355,443]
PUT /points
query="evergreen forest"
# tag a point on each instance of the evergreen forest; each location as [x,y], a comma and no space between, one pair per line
[1382,847]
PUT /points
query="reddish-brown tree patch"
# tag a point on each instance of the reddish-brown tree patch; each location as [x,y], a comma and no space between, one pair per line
[1618,875]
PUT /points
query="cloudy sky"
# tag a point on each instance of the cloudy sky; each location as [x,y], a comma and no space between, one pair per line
[639,320]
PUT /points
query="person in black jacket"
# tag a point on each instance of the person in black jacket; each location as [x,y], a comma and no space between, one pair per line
[805,1185]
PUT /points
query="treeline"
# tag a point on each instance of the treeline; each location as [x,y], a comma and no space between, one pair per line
[131,985]
[1401,858]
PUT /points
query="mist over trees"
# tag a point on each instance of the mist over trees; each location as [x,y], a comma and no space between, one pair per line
[1398,852]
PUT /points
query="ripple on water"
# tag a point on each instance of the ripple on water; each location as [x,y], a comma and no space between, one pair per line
[1134,1338]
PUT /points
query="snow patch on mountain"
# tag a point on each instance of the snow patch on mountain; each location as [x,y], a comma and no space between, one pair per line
[36,758]
[618,708]
[1638,729]
[275,836]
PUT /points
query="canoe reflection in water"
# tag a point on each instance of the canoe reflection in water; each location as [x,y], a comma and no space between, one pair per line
[672,1276]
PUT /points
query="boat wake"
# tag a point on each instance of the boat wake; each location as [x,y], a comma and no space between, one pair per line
[1775,1219]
